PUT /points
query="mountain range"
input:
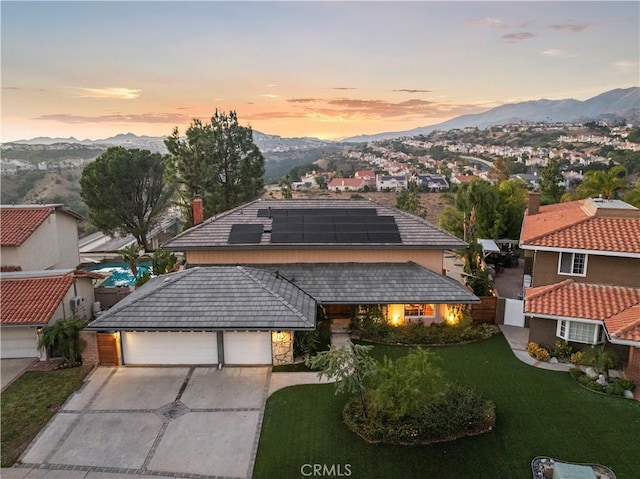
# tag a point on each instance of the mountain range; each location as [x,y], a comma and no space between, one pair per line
[618,104]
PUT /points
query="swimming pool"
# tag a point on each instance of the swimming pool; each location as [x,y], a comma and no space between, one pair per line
[120,273]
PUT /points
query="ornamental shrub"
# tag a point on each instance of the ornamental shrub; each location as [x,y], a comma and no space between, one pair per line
[576,373]
[576,358]
[561,349]
[538,352]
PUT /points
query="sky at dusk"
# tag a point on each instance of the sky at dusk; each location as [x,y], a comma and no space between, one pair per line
[324,69]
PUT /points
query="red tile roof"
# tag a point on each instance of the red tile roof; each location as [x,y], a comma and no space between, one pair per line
[17,224]
[349,182]
[572,226]
[580,300]
[32,300]
[625,326]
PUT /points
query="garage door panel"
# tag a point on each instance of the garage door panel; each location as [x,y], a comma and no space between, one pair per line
[170,348]
[19,342]
[247,348]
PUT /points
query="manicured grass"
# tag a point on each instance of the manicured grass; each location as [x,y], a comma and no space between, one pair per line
[30,402]
[539,413]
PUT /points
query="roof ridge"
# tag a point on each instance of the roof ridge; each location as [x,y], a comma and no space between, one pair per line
[246,271]
[547,288]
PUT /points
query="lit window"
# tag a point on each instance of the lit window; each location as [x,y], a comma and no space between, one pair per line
[589,333]
[573,263]
[422,310]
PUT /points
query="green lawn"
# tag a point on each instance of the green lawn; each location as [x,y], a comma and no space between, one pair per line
[539,413]
[30,402]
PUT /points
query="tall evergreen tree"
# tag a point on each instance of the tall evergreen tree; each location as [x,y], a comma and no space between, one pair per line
[409,200]
[125,191]
[551,189]
[218,161]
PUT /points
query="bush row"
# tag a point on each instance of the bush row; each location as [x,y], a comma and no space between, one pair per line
[436,333]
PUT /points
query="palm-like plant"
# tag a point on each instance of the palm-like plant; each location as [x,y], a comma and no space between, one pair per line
[130,256]
[64,337]
[608,184]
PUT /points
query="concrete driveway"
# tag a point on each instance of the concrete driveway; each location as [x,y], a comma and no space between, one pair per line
[165,421]
[12,369]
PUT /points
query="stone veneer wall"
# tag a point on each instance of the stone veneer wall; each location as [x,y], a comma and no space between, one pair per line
[90,352]
[282,349]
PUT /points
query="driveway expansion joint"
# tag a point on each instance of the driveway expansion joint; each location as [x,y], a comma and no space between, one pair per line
[118,470]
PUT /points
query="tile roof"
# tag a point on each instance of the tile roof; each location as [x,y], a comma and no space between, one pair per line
[580,300]
[212,298]
[17,224]
[573,225]
[625,326]
[373,283]
[214,232]
[32,300]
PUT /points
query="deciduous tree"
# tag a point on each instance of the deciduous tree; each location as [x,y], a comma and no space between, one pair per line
[218,161]
[125,192]
[551,189]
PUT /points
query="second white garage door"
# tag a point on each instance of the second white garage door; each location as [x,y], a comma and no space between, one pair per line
[170,348]
[19,342]
[247,348]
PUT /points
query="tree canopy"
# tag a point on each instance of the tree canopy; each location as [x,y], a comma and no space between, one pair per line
[482,210]
[125,191]
[608,184]
[409,200]
[551,189]
[218,161]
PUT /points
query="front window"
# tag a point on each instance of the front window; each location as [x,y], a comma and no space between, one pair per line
[579,332]
[420,310]
[573,264]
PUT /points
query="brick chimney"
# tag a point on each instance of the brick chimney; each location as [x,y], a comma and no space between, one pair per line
[198,211]
[534,203]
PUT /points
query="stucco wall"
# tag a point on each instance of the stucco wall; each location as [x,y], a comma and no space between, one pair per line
[67,238]
[542,331]
[430,259]
[610,270]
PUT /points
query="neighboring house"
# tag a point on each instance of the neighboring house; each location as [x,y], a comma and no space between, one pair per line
[369,176]
[432,183]
[38,237]
[459,179]
[256,273]
[30,300]
[346,184]
[392,183]
[584,261]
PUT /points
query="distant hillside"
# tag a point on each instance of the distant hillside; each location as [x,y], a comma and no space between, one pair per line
[619,103]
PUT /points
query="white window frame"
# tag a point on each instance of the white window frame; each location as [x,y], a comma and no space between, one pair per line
[564,330]
[573,260]
[420,316]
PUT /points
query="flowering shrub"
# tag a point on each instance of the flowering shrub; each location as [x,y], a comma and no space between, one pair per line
[538,352]
[576,358]
[561,349]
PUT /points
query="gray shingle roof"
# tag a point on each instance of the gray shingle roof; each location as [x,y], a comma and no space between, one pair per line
[213,298]
[214,232]
[373,283]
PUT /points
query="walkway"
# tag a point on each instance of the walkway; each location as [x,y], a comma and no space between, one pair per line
[518,338]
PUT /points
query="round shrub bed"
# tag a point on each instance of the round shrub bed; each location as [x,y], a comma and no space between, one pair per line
[455,413]
[615,386]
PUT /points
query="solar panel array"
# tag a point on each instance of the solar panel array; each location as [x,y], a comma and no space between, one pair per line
[331,225]
[245,233]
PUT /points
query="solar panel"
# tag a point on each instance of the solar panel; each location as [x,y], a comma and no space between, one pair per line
[382,227]
[379,219]
[351,227]
[388,237]
[319,237]
[245,233]
[362,211]
[319,227]
[287,237]
[318,220]
[352,237]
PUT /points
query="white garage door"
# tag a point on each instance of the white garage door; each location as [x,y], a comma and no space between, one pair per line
[169,348]
[247,348]
[19,342]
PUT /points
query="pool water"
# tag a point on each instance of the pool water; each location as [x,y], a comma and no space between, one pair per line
[120,273]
